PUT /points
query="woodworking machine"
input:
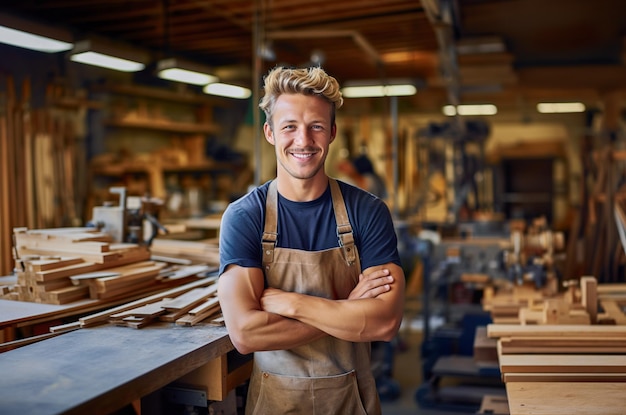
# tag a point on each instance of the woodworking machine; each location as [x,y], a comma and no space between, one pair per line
[133,219]
[533,255]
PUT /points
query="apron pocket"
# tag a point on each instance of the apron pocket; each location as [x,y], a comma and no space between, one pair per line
[325,395]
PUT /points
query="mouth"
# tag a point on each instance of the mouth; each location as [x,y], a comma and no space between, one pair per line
[303,155]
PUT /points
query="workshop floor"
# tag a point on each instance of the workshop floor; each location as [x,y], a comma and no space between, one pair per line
[407,367]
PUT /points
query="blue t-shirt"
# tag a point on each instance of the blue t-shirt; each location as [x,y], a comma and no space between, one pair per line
[308,226]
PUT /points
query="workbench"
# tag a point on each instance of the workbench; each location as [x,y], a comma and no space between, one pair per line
[102,369]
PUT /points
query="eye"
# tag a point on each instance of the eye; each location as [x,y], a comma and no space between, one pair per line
[317,127]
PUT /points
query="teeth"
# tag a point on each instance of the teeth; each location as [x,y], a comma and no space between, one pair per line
[301,156]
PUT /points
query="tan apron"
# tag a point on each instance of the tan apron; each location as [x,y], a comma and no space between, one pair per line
[329,375]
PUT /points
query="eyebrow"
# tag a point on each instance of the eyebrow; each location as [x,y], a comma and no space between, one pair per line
[317,121]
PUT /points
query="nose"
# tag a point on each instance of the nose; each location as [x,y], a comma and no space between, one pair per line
[303,137]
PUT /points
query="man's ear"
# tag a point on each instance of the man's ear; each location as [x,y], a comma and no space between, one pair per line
[333,132]
[269,134]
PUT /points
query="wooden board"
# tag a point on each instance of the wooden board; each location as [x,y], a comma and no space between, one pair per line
[46,264]
[554,331]
[494,405]
[179,306]
[563,345]
[525,363]
[485,349]
[614,311]
[566,398]
[564,377]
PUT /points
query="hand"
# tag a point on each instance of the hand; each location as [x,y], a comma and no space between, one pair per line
[274,300]
[372,285]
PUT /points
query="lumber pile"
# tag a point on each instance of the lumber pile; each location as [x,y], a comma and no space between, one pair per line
[42,162]
[63,265]
[185,305]
[583,302]
[187,309]
[574,344]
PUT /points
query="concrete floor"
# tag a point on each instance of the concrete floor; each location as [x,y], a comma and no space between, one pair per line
[408,370]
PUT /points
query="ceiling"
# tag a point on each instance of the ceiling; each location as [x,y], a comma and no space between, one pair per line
[552,50]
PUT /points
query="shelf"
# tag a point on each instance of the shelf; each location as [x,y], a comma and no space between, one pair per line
[187,97]
[163,125]
[120,169]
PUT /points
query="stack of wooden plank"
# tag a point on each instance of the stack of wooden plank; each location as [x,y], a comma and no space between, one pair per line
[63,265]
[187,309]
[560,361]
[562,369]
[585,302]
[186,305]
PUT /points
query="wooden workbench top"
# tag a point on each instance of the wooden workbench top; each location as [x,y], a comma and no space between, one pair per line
[566,398]
[99,370]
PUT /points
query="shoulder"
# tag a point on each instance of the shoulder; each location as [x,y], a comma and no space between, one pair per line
[355,196]
[367,212]
[246,213]
[251,204]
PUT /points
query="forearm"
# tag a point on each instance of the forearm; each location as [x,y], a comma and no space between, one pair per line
[249,327]
[267,331]
[362,319]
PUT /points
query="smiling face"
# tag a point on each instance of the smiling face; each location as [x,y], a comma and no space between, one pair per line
[301,133]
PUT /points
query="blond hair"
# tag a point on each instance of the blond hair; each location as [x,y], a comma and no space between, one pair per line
[307,81]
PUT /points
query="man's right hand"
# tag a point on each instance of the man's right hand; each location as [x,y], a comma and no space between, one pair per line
[372,285]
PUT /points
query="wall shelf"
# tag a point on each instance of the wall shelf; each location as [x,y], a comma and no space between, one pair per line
[165,125]
[154,141]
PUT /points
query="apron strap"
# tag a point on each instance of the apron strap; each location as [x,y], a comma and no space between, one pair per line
[344,229]
[270,232]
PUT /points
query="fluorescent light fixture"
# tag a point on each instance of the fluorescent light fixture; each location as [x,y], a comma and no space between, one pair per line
[480,45]
[467,109]
[560,107]
[372,91]
[32,35]
[30,41]
[189,73]
[107,55]
[227,90]
[107,61]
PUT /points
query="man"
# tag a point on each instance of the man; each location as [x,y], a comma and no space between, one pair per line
[309,272]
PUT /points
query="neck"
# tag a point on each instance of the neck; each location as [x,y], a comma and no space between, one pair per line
[302,190]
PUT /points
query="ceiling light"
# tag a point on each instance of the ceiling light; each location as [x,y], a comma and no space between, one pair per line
[227,90]
[560,107]
[372,91]
[480,45]
[31,35]
[467,109]
[107,55]
[187,72]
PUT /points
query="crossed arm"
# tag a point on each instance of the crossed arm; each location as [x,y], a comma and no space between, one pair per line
[272,319]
